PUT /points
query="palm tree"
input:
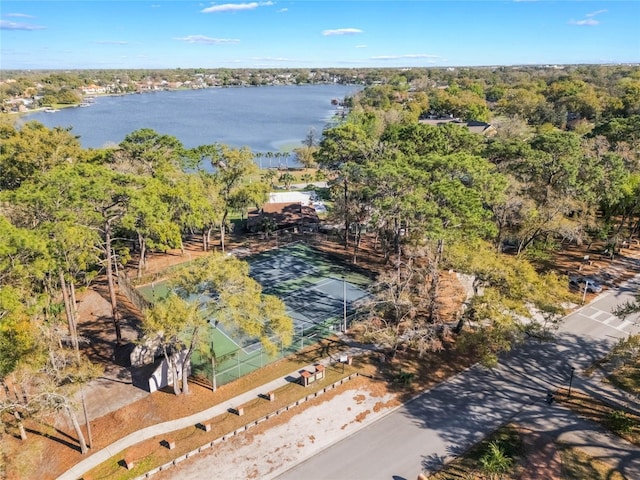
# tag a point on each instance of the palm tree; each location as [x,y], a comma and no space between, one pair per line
[287,179]
[259,156]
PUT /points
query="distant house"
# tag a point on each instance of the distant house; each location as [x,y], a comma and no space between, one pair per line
[92,89]
[277,216]
[482,128]
[473,126]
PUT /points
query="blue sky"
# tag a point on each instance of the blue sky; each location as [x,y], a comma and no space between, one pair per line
[53,34]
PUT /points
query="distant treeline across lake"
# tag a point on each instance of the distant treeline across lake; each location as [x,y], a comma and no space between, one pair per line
[270,118]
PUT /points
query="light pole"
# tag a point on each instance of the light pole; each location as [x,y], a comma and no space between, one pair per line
[584,294]
[571,381]
[344,304]
[214,385]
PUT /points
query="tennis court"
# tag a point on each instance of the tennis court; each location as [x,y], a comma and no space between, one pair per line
[330,299]
[281,266]
[320,294]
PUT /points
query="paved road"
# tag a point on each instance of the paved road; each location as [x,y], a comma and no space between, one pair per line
[446,420]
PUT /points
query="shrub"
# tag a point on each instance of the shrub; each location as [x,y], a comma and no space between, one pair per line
[495,461]
[620,422]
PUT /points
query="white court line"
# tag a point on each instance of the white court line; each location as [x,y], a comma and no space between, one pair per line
[323,283]
[313,287]
[232,341]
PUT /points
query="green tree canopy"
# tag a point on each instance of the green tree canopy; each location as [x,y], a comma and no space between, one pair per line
[228,294]
[33,150]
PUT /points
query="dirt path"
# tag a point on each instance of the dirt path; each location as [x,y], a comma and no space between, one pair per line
[113,389]
[543,459]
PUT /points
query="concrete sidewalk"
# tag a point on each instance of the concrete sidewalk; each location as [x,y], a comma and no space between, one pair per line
[560,424]
[556,423]
[599,387]
[115,448]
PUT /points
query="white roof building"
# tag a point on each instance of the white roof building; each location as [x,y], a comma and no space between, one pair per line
[303,198]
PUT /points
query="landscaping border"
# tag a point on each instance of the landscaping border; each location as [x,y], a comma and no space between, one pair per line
[246,427]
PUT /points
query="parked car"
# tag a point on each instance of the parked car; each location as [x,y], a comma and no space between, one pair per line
[581,283]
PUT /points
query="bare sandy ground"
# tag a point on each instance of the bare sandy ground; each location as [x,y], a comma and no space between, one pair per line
[267,454]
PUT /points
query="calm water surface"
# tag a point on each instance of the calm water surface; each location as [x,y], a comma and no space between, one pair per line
[262,118]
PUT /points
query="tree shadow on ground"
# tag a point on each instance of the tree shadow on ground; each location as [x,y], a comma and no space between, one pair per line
[61,437]
[466,408]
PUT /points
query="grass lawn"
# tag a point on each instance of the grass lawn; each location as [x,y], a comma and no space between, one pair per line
[627,377]
[577,465]
[469,465]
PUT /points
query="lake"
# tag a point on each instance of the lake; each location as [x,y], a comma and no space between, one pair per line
[270,118]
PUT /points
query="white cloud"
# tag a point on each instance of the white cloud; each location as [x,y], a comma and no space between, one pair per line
[282,10]
[361,46]
[587,21]
[111,42]
[235,7]
[597,12]
[341,31]
[19,15]
[7,25]
[204,40]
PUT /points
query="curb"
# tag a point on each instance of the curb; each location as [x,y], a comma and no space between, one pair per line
[246,427]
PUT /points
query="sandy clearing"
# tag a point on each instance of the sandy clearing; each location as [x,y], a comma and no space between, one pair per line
[269,453]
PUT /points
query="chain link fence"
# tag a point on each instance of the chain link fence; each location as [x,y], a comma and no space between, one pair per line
[251,357]
[245,360]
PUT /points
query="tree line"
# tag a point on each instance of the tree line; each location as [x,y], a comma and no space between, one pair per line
[69,215]
[563,167]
